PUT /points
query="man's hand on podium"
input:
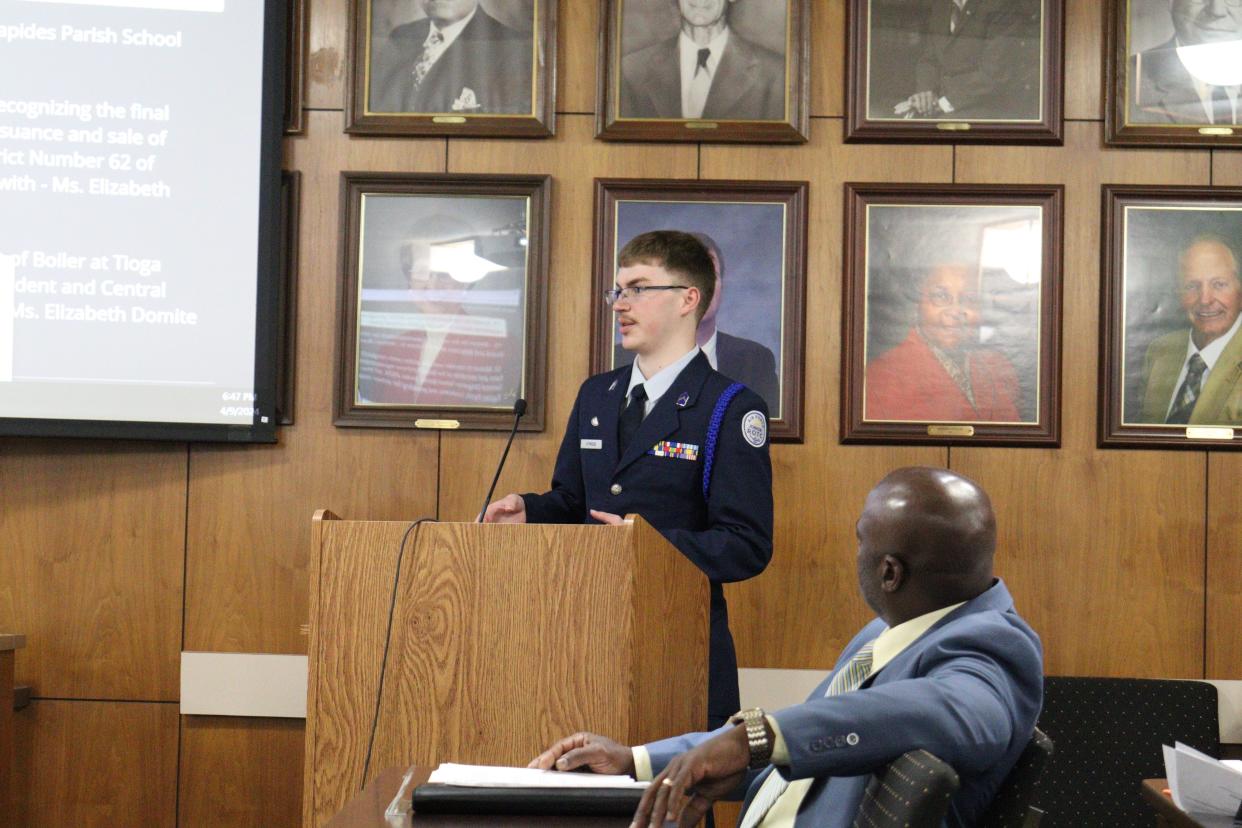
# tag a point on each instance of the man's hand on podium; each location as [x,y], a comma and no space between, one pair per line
[597,753]
[509,509]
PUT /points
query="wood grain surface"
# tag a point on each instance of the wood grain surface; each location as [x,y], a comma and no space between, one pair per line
[503,639]
[91,567]
[96,764]
[241,771]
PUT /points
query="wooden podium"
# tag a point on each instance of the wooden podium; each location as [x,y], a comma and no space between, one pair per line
[503,638]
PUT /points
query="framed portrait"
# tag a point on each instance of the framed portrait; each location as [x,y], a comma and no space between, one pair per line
[704,70]
[287,304]
[1171,308]
[951,326]
[955,71]
[442,315]
[452,67]
[295,63]
[753,331]
[1173,73]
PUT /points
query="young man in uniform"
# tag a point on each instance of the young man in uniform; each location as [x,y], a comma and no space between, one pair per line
[668,438]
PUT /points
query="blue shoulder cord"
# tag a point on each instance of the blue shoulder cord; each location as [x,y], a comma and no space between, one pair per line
[713,432]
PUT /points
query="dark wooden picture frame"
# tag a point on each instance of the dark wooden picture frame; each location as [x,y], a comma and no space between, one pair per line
[381,64]
[650,107]
[756,232]
[437,271]
[1150,94]
[1001,52]
[1169,278]
[950,335]
[295,68]
[287,303]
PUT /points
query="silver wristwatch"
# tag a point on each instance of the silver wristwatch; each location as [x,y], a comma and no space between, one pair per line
[756,735]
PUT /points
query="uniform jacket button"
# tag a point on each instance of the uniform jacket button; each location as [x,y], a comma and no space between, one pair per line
[616,488]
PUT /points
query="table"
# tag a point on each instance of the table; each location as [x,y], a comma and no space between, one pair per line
[366,810]
[1168,814]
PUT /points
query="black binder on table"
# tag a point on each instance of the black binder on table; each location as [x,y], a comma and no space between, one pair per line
[433,798]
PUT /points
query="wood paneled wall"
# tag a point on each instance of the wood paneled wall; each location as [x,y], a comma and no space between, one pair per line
[116,556]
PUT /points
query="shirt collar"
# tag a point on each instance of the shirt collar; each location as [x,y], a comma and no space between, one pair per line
[689,52]
[663,380]
[451,31]
[1212,351]
[890,643]
[709,348]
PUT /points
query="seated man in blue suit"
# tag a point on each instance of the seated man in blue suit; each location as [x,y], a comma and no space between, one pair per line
[948,666]
[670,439]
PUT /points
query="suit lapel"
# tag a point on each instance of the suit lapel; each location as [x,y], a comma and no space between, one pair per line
[665,72]
[612,412]
[665,417]
[1164,370]
[1220,384]
[734,78]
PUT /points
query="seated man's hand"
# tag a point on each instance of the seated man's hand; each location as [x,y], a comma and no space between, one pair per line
[686,789]
[599,754]
[509,509]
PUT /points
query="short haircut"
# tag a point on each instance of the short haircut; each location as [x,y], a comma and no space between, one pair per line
[681,254]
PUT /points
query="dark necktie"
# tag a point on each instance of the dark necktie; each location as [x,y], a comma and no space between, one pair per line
[704,54]
[1188,394]
[631,418]
[1222,111]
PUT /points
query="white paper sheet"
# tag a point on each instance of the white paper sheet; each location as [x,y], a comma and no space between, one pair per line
[493,776]
[1201,784]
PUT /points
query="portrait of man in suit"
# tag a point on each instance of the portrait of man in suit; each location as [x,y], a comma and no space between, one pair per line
[742,330]
[1193,376]
[458,57]
[1192,76]
[737,357]
[697,65]
[439,320]
[970,60]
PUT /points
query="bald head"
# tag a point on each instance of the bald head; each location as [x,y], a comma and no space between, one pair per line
[925,540]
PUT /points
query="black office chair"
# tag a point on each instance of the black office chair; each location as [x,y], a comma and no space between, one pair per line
[1108,733]
[912,791]
[1013,807]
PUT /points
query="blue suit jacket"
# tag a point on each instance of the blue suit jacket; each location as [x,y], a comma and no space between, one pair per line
[727,533]
[969,691]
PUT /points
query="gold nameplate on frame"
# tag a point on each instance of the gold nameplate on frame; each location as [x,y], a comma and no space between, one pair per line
[1215,131]
[449,119]
[950,431]
[437,424]
[1209,433]
[702,125]
[954,126]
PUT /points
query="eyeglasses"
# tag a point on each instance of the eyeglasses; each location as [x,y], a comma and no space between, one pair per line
[636,292]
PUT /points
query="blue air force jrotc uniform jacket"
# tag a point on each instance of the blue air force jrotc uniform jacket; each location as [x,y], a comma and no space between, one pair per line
[726,532]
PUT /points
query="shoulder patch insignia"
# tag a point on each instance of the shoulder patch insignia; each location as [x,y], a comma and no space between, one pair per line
[755,428]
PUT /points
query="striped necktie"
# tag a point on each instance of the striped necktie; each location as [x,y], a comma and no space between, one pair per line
[847,678]
[1188,394]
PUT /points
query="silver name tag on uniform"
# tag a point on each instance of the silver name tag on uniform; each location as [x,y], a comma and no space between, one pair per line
[592,444]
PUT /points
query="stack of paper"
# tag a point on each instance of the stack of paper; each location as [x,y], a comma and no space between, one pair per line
[1203,785]
[491,776]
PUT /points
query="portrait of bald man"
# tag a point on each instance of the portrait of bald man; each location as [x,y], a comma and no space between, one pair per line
[468,57]
[686,59]
[1183,66]
[1193,376]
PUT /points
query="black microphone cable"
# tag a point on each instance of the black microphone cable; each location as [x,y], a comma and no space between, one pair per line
[519,408]
[392,607]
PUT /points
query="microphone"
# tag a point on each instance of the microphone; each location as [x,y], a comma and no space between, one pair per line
[519,408]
